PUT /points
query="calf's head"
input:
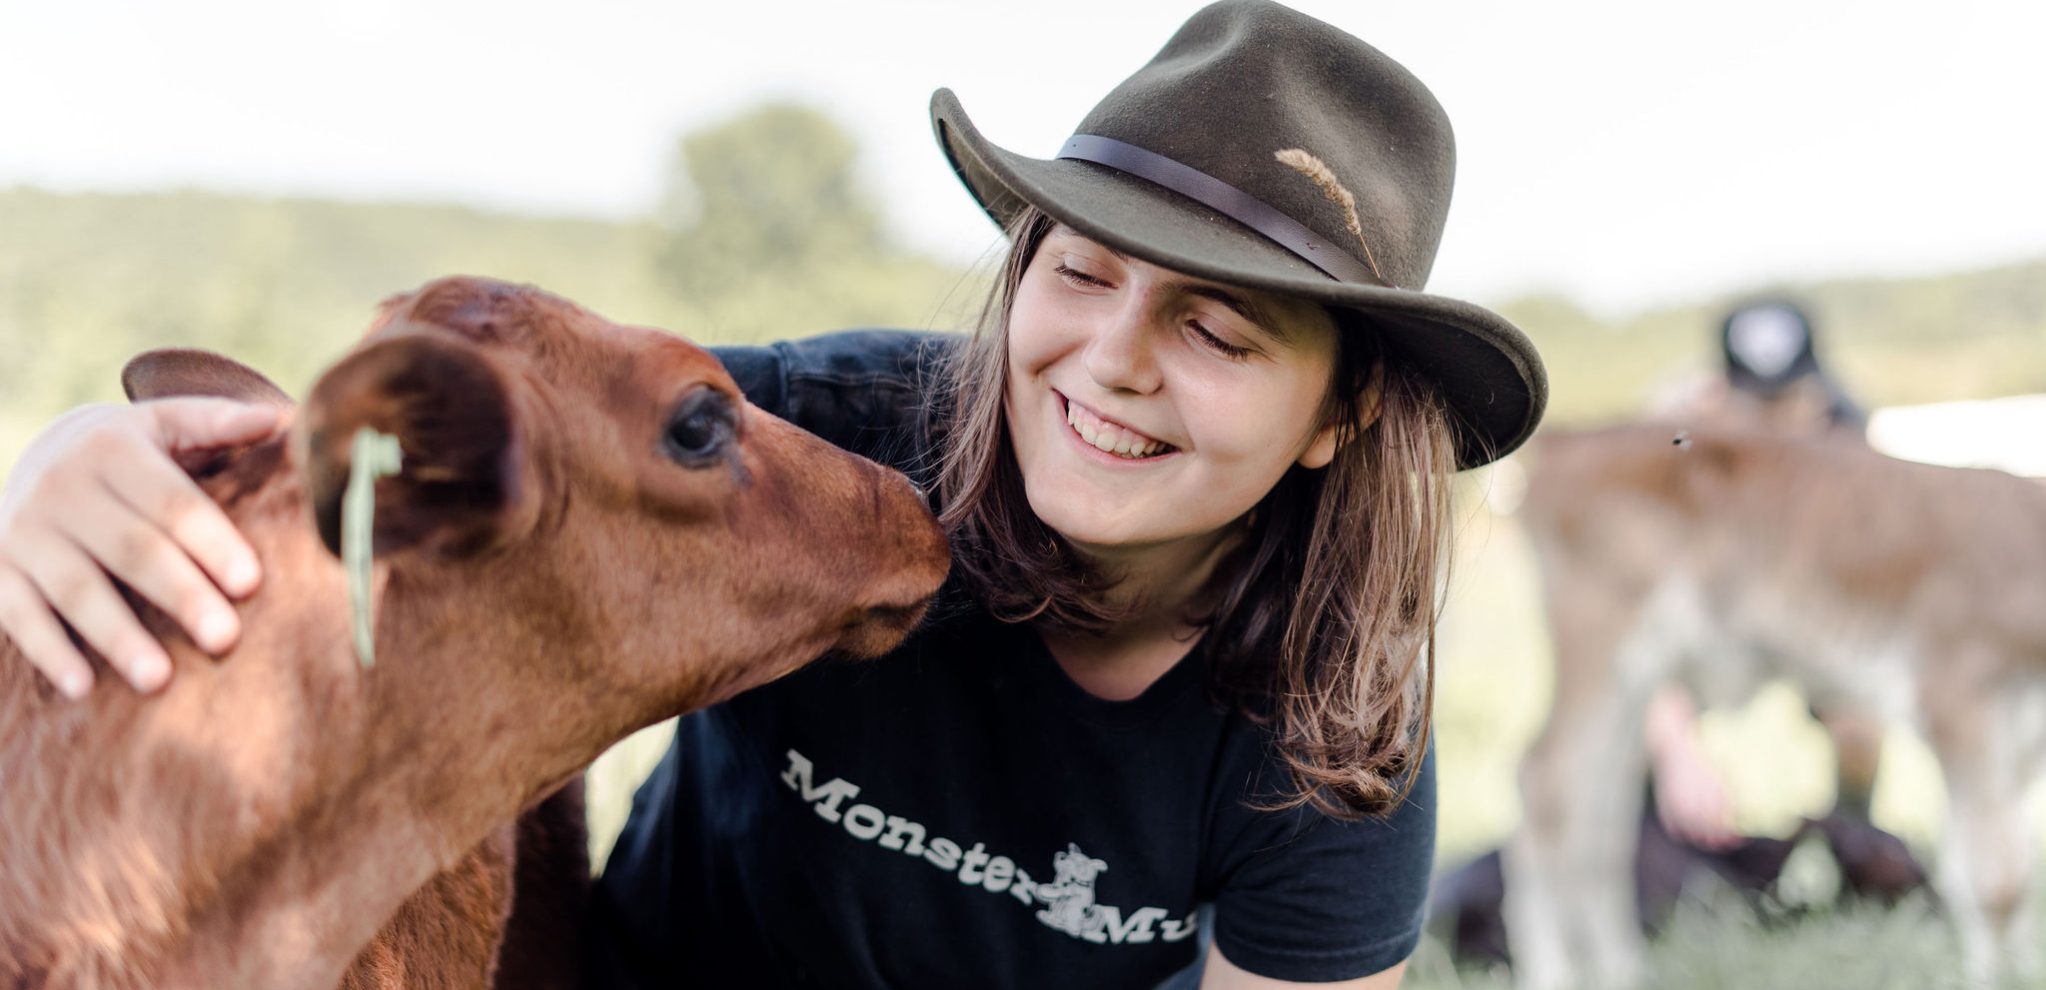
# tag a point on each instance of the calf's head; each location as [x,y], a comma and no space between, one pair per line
[602,498]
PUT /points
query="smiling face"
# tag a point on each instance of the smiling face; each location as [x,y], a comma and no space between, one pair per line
[1147,408]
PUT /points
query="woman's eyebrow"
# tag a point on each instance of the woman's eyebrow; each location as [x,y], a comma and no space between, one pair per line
[1250,311]
[1235,301]
[1221,295]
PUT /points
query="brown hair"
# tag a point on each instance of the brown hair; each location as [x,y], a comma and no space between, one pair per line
[1322,622]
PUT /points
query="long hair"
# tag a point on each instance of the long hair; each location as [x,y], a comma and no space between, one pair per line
[1321,623]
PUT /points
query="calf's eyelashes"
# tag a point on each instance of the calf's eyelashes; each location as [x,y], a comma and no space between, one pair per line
[701,429]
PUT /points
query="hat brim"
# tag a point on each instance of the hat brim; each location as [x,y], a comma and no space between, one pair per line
[1485,368]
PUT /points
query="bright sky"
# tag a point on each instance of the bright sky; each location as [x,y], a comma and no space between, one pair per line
[1628,153]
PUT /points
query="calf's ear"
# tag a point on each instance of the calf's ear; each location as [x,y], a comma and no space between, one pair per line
[182,371]
[462,488]
[173,371]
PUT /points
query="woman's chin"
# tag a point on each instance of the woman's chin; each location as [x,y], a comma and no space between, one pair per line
[1089,528]
[1102,536]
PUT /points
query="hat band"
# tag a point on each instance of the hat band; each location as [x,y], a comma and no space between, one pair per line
[1221,197]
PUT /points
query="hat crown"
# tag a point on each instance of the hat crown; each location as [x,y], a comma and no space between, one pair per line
[1306,118]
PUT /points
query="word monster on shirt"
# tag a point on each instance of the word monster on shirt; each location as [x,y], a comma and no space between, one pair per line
[1069,900]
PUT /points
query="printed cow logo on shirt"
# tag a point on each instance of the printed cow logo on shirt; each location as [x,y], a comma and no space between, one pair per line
[1068,900]
[1071,893]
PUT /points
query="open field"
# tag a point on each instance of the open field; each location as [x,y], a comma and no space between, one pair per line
[1717,944]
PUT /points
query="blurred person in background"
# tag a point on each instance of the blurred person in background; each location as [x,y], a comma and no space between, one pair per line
[1769,377]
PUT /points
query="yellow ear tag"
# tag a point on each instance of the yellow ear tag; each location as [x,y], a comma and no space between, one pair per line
[374,455]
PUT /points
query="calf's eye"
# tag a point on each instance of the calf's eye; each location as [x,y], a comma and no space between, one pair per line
[702,426]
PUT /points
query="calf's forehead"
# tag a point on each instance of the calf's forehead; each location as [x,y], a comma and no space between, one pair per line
[567,345]
[663,355]
[631,370]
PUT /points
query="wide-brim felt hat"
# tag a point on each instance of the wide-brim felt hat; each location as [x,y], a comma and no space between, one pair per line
[1265,149]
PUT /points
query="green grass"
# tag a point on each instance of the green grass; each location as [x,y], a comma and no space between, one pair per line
[1716,943]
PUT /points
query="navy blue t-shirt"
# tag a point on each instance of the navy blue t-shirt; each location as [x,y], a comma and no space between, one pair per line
[961,813]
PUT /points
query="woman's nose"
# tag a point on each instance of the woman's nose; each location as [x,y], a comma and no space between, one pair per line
[1120,358]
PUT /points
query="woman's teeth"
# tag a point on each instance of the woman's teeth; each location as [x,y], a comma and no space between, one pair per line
[1110,437]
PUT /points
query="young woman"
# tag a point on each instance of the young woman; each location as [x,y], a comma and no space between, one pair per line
[1169,722]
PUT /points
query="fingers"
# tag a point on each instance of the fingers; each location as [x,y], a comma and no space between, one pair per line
[78,590]
[40,637]
[1695,812]
[167,502]
[150,561]
[97,494]
[185,423]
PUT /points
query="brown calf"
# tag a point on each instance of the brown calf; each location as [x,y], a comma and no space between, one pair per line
[592,531]
[1725,558]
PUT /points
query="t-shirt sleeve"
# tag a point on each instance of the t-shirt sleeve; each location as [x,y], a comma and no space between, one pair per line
[1314,899]
[862,390]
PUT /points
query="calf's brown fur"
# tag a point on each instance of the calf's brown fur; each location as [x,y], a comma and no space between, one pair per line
[1729,557]
[557,564]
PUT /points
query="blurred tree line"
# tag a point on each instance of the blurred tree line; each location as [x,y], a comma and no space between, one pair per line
[766,231]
